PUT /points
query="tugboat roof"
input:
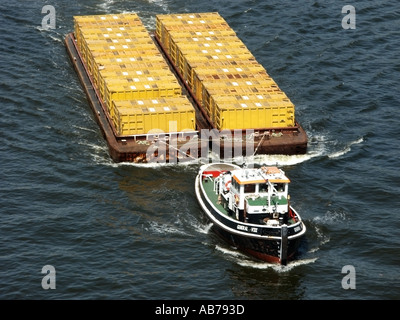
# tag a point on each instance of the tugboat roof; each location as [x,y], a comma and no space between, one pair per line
[262,175]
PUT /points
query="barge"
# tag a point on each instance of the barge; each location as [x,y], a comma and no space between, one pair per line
[178,94]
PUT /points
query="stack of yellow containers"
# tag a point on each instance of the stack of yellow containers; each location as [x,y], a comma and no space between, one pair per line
[223,75]
[141,93]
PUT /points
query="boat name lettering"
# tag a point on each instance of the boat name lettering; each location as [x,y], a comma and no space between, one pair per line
[240,227]
[245,228]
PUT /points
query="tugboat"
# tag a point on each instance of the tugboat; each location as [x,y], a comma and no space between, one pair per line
[250,208]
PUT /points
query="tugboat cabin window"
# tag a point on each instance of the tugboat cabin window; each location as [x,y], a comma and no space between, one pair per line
[280,187]
[263,188]
[250,188]
[235,185]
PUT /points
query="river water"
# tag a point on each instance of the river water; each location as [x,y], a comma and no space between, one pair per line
[125,231]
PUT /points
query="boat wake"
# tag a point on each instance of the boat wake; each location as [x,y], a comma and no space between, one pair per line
[332,217]
[163,229]
[95,147]
[201,228]
[284,160]
[51,33]
[322,146]
[346,149]
[322,238]
[318,146]
[160,3]
[278,268]
[107,6]
[244,261]
[159,164]
[84,129]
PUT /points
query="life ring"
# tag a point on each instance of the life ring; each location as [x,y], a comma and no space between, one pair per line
[236,199]
[292,214]
[228,185]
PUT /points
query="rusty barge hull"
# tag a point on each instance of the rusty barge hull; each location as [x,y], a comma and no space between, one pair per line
[183,146]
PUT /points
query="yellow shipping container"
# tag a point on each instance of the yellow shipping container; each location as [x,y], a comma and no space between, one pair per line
[149,80]
[138,90]
[136,65]
[248,116]
[139,54]
[128,77]
[116,50]
[197,51]
[108,19]
[180,20]
[183,49]
[187,61]
[248,86]
[222,89]
[238,87]
[201,75]
[129,69]
[166,42]
[148,55]
[108,36]
[193,21]
[116,47]
[180,100]
[124,44]
[112,29]
[104,63]
[153,119]
[130,59]
[274,92]
[134,36]
[82,32]
[175,42]
[228,66]
[105,39]
[255,85]
[246,112]
[164,35]
[172,18]
[119,73]
[202,33]
[192,59]
[217,46]
[261,100]
[198,56]
[81,23]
